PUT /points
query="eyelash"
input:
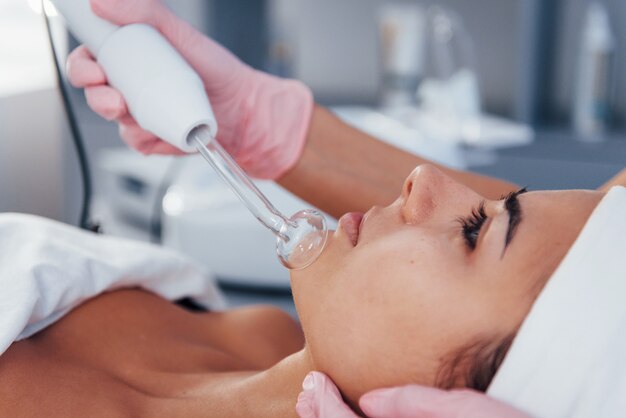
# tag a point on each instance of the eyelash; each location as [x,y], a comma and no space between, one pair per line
[471,225]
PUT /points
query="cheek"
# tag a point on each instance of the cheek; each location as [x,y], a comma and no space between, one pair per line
[371,311]
[345,319]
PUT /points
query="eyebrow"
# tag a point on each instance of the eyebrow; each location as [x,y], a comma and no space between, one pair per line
[514,209]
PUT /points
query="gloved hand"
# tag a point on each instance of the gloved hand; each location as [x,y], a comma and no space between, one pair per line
[263,120]
[321,399]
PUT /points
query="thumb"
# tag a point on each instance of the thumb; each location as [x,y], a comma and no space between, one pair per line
[321,399]
[124,12]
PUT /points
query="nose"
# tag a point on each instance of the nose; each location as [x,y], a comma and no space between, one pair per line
[429,194]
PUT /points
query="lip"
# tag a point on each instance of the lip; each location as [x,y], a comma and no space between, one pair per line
[351,223]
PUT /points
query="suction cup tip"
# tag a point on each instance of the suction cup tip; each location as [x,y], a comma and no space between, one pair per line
[305,236]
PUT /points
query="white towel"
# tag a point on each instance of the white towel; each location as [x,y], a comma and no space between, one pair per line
[48,268]
[569,357]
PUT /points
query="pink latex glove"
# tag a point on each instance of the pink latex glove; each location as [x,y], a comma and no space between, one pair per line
[263,120]
[321,399]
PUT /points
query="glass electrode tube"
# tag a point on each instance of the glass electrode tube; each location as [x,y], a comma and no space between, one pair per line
[299,239]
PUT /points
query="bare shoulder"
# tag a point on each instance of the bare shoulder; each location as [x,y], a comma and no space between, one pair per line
[36,383]
[102,359]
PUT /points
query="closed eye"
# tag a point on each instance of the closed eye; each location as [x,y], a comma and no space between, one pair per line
[471,225]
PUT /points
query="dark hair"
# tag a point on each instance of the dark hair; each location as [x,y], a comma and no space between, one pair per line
[475,365]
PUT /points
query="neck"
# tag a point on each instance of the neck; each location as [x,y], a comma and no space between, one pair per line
[282,383]
[270,393]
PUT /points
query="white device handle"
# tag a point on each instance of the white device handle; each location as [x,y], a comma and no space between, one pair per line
[164,94]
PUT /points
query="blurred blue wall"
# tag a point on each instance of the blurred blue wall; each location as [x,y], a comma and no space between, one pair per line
[242,26]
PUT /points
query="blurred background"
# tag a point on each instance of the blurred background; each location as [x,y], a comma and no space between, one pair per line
[533,91]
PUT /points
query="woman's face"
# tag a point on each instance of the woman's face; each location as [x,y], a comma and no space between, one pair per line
[394,294]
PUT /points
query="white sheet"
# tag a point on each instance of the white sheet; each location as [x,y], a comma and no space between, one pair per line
[48,268]
[569,357]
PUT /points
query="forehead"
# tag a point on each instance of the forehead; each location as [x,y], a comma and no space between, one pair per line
[554,217]
[572,207]
[551,221]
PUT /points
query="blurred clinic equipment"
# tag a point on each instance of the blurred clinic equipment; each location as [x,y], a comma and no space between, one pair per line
[402,47]
[430,80]
[167,98]
[449,94]
[591,101]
